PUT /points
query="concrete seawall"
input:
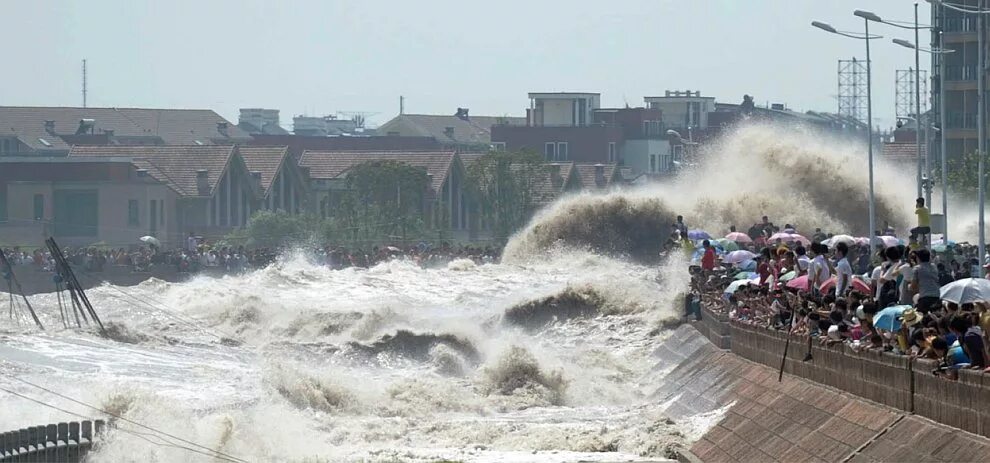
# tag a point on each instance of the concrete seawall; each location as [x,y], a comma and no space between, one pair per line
[840,406]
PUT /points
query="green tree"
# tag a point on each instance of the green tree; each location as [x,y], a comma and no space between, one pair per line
[962,174]
[276,228]
[505,187]
[384,199]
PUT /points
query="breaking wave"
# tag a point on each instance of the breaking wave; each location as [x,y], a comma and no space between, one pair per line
[517,374]
[420,347]
[793,175]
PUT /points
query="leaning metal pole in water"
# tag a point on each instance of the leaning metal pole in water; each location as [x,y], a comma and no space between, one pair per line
[8,270]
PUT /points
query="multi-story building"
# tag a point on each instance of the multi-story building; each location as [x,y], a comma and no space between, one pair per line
[960,79]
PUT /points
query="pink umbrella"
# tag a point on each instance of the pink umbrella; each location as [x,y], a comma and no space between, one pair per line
[800,282]
[739,237]
[788,237]
[857,284]
[890,241]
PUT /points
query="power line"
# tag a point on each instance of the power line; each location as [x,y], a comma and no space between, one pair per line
[214,453]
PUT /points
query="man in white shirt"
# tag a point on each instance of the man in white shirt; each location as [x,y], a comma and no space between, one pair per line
[191,243]
[803,262]
[818,272]
[843,270]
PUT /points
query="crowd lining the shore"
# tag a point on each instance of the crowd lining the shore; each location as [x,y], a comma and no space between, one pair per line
[198,255]
[909,297]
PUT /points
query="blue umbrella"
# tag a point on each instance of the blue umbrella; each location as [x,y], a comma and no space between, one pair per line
[699,235]
[887,318]
[748,265]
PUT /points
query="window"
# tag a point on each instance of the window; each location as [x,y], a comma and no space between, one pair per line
[562,150]
[132,213]
[666,164]
[694,114]
[550,151]
[653,163]
[611,151]
[152,216]
[39,207]
[76,212]
[498,146]
[3,203]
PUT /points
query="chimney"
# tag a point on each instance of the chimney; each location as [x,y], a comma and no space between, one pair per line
[555,178]
[462,113]
[86,126]
[256,177]
[50,127]
[141,173]
[203,182]
[600,174]
[222,128]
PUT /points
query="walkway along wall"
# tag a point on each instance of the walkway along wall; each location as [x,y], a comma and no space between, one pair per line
[894,380]
[762,419]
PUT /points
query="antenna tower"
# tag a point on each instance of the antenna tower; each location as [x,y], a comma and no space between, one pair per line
[904,92]
[852,89]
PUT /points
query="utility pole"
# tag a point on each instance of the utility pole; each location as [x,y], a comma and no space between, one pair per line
[84,83]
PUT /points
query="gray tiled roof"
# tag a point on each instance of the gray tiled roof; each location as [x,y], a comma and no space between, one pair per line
[589,178]
[267,160]
[176,166]
[331,164]
[473,130]
[129,125]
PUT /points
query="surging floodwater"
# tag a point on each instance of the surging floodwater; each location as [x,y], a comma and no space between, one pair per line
[390,363]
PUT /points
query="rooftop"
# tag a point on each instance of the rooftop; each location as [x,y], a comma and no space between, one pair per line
[176,166]
[332,164]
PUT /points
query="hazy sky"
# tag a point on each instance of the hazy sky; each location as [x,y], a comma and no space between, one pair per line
[317,57]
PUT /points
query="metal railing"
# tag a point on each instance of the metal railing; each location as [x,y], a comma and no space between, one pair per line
[957,73]
[58,443]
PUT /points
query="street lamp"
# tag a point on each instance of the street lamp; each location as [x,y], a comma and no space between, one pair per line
[981,113]
[941,52]
[867,16]
[917,83]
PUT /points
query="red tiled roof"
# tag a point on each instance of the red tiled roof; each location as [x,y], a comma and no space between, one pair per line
[331,164]
[176,166]
[589,178]
[902,151]
[267,160]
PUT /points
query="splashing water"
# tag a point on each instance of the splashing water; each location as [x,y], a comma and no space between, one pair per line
[549,352]
[793,175]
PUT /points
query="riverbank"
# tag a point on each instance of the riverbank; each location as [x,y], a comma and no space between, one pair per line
[840,406]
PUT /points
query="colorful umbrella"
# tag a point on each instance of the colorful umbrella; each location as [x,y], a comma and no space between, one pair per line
[748,265]
[788,276]
[736,257]
[887,319]
[699,235]
[850,241]
[726,244]
[739,237]
[800,283]
[857,284]
[735,285]
[890,241]
[745,276]
[789,237]
[966,290]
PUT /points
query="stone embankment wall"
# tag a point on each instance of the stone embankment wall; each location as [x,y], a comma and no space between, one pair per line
[839,406]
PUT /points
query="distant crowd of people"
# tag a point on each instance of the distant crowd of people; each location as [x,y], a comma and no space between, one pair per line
[198,255]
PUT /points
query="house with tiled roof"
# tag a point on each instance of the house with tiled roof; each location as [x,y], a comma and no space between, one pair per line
[597,177]
[282,183]
[33,130]
[212,185]
[445,197]
[81,201]
[460,131]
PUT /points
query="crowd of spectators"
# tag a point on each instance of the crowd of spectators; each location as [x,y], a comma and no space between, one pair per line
[890,299]
[198,256]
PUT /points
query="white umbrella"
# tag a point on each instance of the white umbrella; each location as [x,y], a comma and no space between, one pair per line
[966,290]
[735,285]
[736,257]
[151,240]
[850,241]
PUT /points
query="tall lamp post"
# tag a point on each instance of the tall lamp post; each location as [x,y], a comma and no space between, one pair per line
[917,89]
[866,37]
[981,113]
[941,51]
